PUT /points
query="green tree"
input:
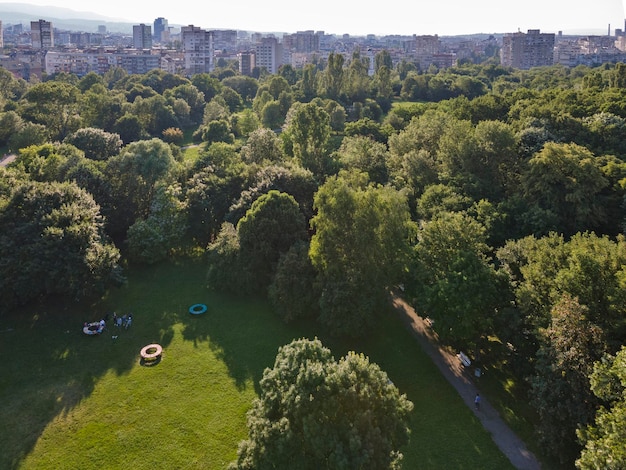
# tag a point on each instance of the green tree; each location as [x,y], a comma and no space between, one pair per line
[383,59]
[218,131]
[561,392]
[368,128]
[357,82]
[27,135]
[587,267]
[152,239]
[247,122]
[353,417]
[129,128]
[332,77]
[11,88]
[337,114]
[232,99]
[55,105]
[89,80]
[308,84]
[10,124]
[498,166]
[360,248]
[454,282]
[53,242]
[225,271]
[565,180]
[96,143]
[364,154]
[272,115]
[192,96]
[155,114]
[293,291]
[217,179]
[134,175]
[247,87]
[268,230]
[288,73]
[605,440]
[215,110]
[100,107]
[440,199]
[287,178]
[207,85]
[384,87]
[309,132]
[263,145]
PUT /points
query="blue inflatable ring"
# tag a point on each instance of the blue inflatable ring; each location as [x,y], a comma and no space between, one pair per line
[197,309]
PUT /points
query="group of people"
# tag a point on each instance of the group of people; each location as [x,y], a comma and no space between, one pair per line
[96,328]
[124,321]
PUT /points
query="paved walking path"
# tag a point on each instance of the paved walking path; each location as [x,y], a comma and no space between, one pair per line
[451,368]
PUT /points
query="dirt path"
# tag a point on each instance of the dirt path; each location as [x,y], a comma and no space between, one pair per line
[451,368]
[6,159]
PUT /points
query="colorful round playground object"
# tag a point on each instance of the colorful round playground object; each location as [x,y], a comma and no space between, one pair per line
[197,309]
[152,352]
[94,328]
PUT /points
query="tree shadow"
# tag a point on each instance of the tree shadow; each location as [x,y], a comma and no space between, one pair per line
[243,333]
[49,365]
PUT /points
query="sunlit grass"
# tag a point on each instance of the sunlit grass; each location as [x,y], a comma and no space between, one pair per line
[68,401]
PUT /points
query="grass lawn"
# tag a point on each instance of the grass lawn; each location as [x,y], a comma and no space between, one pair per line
[70,401]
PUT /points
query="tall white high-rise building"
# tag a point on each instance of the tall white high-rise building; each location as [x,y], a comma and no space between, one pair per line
[524,51]
[198,49]
[269,54]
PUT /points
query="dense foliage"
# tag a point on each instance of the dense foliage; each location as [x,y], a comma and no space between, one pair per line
[493,196]
[315,412]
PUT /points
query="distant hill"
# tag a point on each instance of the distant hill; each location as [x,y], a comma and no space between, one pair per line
[62,18]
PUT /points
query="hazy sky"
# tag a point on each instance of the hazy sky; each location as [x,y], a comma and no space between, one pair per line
[443,17]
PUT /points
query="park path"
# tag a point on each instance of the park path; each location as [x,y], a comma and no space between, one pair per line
[6,159]
[450,366]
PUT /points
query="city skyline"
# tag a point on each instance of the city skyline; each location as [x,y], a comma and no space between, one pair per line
[454,17]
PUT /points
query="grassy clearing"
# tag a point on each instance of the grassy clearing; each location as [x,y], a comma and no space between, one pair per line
[71,401]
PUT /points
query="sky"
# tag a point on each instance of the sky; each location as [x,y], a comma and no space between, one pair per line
[443,17]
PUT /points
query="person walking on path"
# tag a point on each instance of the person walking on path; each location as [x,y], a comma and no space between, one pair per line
[477,402]
[454,372]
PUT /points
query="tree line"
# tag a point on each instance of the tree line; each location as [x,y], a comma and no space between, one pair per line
[493,196]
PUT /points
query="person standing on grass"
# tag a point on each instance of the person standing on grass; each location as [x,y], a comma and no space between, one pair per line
[477,402]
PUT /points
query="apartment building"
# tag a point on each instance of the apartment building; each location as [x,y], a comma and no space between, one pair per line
[527,50]
[269,54]
[198,49]
[142,36]
[302,41]
[246,63]
[100,60]
[225,40]
[41,34]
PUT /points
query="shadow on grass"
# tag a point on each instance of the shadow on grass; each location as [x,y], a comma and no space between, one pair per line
[243,333]
[49,365]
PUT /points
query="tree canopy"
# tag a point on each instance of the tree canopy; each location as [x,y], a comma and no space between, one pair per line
[352,415]
[53,242]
